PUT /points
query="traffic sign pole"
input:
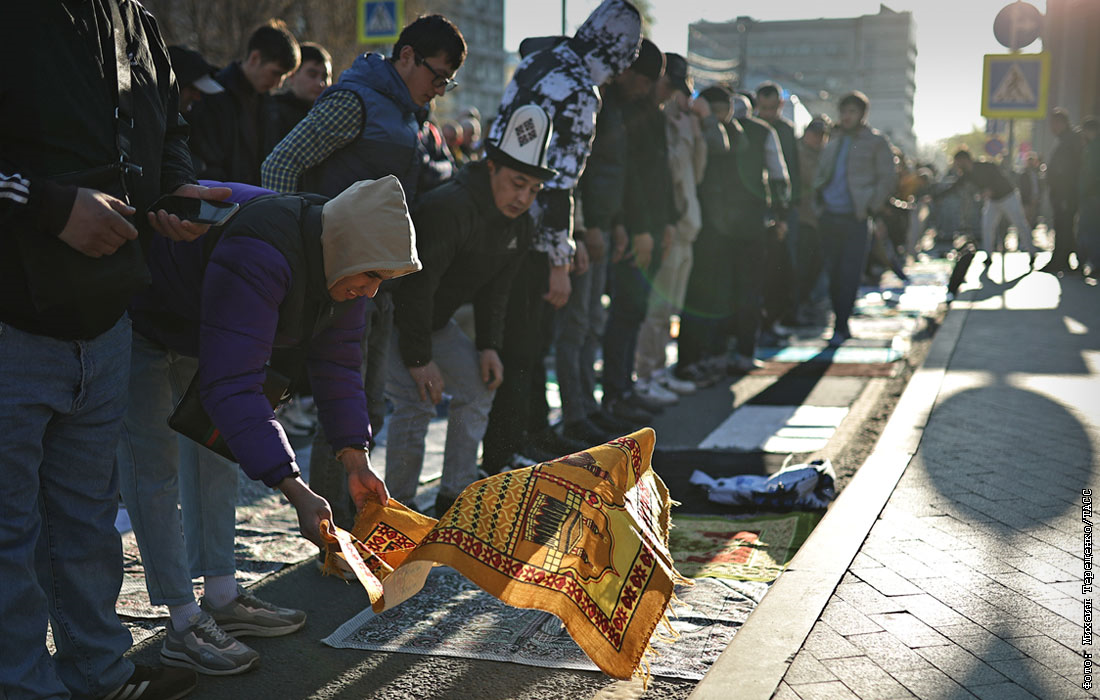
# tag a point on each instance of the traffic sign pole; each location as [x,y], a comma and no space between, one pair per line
[1017,25]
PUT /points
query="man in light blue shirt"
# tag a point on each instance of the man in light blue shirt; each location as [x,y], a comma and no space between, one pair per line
[854,180]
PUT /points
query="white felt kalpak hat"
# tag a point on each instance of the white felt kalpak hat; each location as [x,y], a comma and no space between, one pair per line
[524,143]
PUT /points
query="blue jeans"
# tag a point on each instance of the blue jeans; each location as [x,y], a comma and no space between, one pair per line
[160,470]
[845,241]
[61,407]
[459,362]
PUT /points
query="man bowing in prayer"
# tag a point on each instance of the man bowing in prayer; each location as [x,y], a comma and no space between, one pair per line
[472,233]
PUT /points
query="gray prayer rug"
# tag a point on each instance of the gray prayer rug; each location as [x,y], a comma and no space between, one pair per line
[451,616]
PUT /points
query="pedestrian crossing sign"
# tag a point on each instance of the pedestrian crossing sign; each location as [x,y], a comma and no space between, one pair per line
[1014,86]
[380,21]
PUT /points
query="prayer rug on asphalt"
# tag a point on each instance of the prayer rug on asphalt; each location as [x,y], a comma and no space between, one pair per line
[756,549]
[584,537]
[452,617]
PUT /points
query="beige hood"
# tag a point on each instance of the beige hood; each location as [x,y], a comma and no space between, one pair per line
[368,227]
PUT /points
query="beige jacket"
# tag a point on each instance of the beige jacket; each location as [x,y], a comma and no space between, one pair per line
[872,169]
[687,159]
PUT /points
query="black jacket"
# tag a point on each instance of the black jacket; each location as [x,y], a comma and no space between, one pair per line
[57,131]
[470,252]
[227,130]
[282,112]
[604,179]
[647,200]
[749,137]
[1064,169]
[984,176]
[712,189]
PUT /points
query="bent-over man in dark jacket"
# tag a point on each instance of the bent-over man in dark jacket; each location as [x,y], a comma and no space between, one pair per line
[284,284]
[1002,201]
[472,233]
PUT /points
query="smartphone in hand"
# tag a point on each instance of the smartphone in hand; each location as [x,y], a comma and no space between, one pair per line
[199,211]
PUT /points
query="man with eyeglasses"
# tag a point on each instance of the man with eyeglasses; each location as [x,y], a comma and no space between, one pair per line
[365,125]
[362,128]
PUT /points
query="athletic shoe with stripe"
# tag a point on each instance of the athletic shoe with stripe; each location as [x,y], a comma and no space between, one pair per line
[248,615]
[206,647]
[153,683]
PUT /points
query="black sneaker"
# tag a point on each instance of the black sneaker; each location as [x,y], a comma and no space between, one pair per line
[610,424]
[839,338]
[551,441]
[155,683]
[698,374]
[619,408]
[527,455]
[585,431]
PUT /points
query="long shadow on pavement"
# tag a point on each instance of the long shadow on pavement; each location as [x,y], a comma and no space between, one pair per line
[1008,455]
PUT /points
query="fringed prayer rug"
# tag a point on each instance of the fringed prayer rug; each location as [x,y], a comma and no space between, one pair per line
[584,537]
[451,616]
[756,549]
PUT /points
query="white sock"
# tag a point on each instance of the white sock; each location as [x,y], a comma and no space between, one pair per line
[220,590]
[181,615]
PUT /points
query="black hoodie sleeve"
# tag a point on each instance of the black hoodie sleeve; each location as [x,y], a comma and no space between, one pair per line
[33,204]
[438,232]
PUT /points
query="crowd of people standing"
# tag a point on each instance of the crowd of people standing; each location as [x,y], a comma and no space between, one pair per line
[606,203]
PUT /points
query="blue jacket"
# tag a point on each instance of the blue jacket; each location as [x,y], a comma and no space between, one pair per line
[388,142]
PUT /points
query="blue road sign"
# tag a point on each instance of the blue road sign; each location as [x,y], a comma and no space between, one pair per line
[1014,86]
[379,21]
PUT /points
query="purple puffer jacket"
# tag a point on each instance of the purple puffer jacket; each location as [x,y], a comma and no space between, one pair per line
[226,312]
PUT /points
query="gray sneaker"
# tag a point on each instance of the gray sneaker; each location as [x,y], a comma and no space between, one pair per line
[248,615]
[206,648]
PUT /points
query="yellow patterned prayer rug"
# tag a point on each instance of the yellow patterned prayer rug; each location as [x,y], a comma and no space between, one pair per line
[584,537]
[752,549]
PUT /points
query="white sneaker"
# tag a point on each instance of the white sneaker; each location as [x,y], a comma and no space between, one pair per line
[295,421]
[680,386]
[650,391]
[308,406]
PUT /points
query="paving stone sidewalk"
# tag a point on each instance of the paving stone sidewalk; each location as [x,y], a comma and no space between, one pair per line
[969,584]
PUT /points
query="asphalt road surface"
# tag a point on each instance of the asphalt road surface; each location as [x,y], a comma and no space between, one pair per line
[299,666]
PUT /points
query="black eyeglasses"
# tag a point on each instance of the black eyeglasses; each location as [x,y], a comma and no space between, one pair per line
[440,80]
